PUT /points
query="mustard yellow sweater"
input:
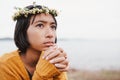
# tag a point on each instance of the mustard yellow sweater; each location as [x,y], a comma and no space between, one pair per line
[12,68]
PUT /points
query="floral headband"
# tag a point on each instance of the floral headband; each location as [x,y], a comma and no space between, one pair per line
[25,12]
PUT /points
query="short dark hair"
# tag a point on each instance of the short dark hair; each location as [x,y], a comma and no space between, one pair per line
[20,34]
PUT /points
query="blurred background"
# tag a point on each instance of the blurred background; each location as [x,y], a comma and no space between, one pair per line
[88,30]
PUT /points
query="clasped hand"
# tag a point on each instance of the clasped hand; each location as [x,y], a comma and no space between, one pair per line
[58,57]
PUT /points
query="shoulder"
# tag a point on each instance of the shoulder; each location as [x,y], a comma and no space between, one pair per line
[10,61]
[9,57]
[11,66]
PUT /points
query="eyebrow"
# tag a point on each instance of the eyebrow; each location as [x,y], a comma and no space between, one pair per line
[44,22]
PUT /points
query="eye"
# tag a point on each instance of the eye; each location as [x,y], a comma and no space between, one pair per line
[54,27]
[40,25]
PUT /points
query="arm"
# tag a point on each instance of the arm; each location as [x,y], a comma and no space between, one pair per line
[45,70]
[6,73]
[48,71]
[62,76]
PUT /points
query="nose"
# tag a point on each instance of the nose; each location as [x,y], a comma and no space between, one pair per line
[49,33]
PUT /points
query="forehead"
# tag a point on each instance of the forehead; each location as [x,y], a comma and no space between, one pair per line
[42,17]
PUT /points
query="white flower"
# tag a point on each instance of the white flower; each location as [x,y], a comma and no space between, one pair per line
[25,12]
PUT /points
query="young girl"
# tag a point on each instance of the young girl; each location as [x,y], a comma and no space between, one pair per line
[38,57]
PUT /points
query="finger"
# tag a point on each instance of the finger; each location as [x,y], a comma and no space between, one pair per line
[65,62]
[57,60]
[61,50]
[47,52]
[53,54]
[65,54]
[60,66]
[50,49]
[64,70]
[56,55]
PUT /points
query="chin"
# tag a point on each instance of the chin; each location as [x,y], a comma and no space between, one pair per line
[45,48]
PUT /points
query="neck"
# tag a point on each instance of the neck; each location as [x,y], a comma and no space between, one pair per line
[30,59]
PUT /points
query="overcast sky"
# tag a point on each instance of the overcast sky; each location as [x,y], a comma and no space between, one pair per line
[86,19]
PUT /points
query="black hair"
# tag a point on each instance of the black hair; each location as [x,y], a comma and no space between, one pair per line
[20,34]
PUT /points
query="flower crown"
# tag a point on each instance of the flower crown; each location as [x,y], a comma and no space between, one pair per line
[25,12]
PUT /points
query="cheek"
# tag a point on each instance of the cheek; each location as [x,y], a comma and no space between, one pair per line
[34,36]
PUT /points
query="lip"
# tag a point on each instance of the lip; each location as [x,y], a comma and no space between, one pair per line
[48,43]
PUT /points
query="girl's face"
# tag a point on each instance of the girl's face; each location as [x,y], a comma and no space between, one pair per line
[41,32]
